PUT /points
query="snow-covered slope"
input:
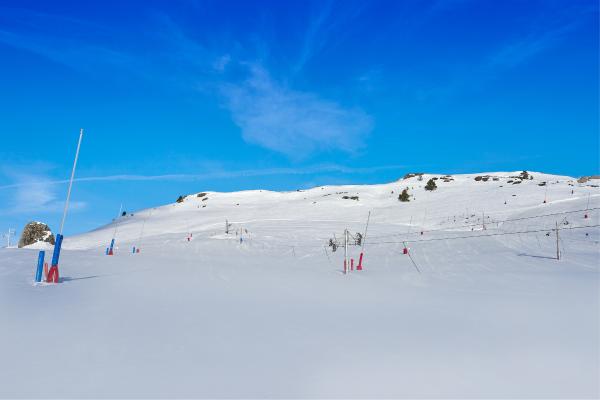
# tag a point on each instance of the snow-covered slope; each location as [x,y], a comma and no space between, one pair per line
[317,212]
[480,308]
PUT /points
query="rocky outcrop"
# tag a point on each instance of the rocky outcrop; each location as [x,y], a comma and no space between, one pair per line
[584,179]
[36,232]
[412,175]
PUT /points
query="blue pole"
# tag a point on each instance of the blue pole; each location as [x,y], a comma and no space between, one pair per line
[57,246]
[40,266]
[112,244]
[133,250]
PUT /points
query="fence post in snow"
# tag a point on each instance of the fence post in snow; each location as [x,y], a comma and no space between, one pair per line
[557,246]
[359,267]
[587,207]
[346,264]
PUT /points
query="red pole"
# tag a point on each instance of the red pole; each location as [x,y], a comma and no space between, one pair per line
[53,275]
[359,266]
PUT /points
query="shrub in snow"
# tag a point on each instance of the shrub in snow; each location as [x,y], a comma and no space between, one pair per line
[180,199]
[430,185]
[404,196]
[36,232]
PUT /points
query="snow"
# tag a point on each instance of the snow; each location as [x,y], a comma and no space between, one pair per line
[40,245]
[274,316]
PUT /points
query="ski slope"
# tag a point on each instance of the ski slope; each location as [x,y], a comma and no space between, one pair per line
[480,309]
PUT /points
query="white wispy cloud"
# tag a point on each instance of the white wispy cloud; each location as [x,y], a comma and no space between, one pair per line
[513,53]
[95,49]
[34,194]
[325,27]
[315,37]
[527,47]
[269,113]
[71,52]
[293,122]
[43,184]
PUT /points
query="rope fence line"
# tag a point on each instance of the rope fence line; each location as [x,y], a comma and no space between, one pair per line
[291,245]
[544,230]
[490,222]
[488,235]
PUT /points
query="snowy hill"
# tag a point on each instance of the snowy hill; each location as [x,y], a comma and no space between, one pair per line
[458,203]
[479,307]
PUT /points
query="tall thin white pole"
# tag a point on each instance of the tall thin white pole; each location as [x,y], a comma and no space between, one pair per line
[364,238]
[62,224]
[557,245]
[117,220]
[139,244]
[588,202]
[8,235]
[346,266]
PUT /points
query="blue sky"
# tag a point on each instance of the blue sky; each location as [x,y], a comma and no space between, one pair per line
[185,96]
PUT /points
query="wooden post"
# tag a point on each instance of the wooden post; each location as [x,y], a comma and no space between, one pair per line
[557,247]
[346,266]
